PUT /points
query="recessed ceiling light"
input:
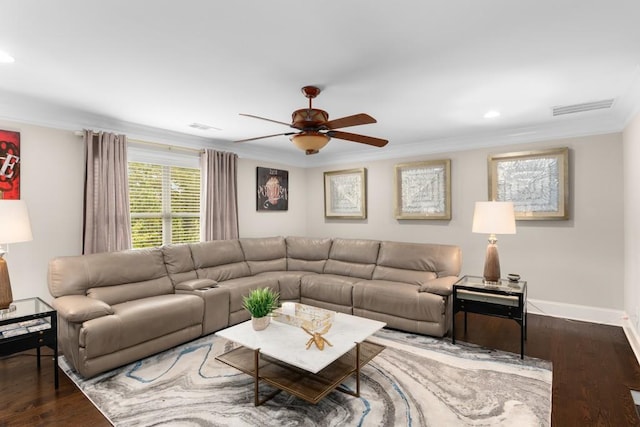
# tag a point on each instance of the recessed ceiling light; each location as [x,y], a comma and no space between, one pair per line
[6,58]
[491,114]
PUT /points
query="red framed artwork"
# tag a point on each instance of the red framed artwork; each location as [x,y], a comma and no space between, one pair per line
[9,164]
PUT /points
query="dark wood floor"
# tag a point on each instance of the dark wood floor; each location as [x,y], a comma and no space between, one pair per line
[593,370]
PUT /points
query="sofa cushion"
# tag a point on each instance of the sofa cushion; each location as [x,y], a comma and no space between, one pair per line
[74,275]
[219,260]
[443,260]
[135,322]
[265,254]
[179,263]
[242,286]
[352,257]
[398,299]
[329,288]
[132,291]
[288,283]
[413,277]
[307,254]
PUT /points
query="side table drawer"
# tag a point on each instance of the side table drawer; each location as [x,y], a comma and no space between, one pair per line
[511,301]
[27,342]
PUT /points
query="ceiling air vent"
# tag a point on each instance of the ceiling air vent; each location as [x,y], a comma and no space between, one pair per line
[581,108]
[201,126]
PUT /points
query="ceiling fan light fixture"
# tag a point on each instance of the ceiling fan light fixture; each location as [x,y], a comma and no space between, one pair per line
[310,142]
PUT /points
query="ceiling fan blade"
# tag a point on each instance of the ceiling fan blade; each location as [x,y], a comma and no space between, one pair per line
[369,140]
[266,136]
[269,120]
[355,120]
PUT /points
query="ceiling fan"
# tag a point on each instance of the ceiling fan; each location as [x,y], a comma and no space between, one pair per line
[315,128]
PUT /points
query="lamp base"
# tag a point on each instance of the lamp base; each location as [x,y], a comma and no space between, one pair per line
[6,297]
[492,264]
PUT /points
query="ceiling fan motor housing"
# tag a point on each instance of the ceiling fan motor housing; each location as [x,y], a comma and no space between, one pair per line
[308,118]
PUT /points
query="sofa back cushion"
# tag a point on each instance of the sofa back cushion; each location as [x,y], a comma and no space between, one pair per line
[265,254]
[352,257]
[179,263]
[307,253]
[219,260]
[112,277]
[416,263]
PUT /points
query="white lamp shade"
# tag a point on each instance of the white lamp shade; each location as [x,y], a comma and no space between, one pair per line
[494,218]
[14,222]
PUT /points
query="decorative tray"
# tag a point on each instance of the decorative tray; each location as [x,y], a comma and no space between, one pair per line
[313,319]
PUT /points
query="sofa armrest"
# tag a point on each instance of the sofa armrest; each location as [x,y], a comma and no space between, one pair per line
[80,308]
[440,286]
[195,284]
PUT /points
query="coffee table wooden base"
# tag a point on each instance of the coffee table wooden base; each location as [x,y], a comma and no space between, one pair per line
[298,382]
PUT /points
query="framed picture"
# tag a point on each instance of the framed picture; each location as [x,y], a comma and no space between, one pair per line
[537,182]
[272,189]
[345,194]
[423,190]
[9,164]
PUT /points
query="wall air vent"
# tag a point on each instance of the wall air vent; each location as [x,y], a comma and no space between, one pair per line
[581,108]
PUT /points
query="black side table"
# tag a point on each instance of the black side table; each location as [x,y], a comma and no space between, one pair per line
[31,323]
[502,299]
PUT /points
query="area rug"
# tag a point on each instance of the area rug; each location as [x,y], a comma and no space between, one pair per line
[415,381]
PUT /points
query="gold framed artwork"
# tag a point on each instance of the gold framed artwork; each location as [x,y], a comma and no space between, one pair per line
[423,190]
[537,182]
[345,194]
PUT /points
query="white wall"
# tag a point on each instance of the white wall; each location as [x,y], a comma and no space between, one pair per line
[631,149]
[576,262]
[52,176]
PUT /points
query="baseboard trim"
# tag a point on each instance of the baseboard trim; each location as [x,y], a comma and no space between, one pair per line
[632,336]
[577,312]
[589,314]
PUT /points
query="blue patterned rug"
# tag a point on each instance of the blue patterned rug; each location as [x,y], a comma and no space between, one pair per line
[415,381]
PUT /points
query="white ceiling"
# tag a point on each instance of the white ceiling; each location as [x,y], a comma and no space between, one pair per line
[427,71]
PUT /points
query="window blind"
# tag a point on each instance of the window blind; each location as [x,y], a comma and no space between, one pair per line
[164,204]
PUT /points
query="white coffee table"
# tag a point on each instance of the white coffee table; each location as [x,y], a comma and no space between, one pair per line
[278,356]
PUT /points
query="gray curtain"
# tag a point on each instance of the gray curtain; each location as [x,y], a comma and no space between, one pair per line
[107,223]
[219,195]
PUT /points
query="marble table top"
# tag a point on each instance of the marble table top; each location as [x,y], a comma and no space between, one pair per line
[288,343]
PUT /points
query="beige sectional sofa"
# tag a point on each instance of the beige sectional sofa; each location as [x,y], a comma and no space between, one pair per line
[118,307]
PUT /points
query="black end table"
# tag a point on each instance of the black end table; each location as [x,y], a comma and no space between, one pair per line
[502,299]
[30,323]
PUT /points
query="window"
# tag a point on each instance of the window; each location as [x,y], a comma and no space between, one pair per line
[164,203]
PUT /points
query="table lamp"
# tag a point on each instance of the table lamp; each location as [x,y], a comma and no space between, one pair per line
[493,218]
[14,227]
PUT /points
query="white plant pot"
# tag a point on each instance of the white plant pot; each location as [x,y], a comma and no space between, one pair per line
[260,323]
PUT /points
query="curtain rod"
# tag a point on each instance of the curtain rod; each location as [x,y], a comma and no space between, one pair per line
[157,144]
[167,146]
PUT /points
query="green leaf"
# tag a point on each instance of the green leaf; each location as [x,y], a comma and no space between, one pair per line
[261,302]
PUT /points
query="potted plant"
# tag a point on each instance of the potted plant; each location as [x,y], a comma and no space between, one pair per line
[260,303]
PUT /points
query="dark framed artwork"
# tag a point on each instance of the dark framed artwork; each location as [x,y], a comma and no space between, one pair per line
[537,182]
[272,189]
[9,164]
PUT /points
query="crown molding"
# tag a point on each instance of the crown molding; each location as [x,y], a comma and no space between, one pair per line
[561,130]
[39,112]
[20,108]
